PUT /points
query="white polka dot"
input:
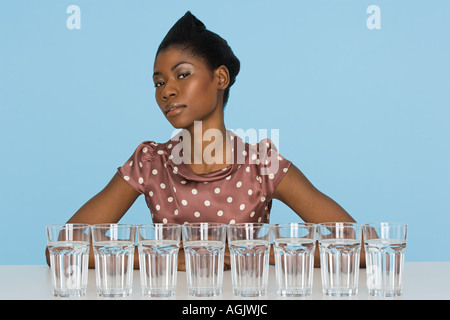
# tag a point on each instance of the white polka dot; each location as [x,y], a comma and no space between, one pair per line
[220,213]
[254,156]
[141,181]
[158,207]
[183,181]
[271,176]
[163,186]
[169,146]
[263,199]
[259,219]
[175,212]
[197,214]
[247,169]
[184,202]
[228,178]
[144,150]
[131,163]
[170,199]
[250,192]
[232,221]
[242,206]
[216,190]
[239,184]
[126,178]
[194,191]
[154,171]
[140,164]
[244,153]
[252,214]
[171,157]
[207,203]
[229,199]
[279,158]
[160,152]
[174,189]
[164,220]
[150,193]
[175,170]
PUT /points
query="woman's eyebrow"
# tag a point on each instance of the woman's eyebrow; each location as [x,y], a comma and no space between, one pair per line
[157,73]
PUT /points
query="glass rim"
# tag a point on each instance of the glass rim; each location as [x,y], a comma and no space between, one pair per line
[291,224]
[203,224]
[386,224]
[158,225]
[114,225]
[64,225]
[248,224]
[339,224]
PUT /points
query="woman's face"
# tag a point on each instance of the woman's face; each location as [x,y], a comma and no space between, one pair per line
[186,89]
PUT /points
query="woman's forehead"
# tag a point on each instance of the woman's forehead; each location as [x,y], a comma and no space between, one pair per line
[172,56]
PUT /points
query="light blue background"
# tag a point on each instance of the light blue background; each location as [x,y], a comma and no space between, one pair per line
[363,113]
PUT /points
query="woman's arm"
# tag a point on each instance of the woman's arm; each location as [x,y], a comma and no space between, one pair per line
[108,206]
[310,204]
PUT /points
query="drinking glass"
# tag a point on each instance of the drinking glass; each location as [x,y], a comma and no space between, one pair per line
[204,245]
[294,246]
[385,245]
[249,245]
[114,258]
[158,246]
[339,246]
[68,246]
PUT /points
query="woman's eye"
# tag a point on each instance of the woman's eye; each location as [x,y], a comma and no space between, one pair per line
[183,75]
[159,84]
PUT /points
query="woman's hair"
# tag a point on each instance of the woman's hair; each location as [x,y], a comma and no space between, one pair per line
[189,33]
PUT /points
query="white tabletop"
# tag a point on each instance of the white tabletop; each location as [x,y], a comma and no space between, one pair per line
[422,281]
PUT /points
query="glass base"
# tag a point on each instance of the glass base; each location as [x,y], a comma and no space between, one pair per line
[69,293]
[340,292]
[202,292]
[390,293]
[249,293]
[158,292]
[114,293]
[294,292]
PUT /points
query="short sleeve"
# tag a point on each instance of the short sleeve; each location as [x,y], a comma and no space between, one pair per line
[272,167]
[137,169]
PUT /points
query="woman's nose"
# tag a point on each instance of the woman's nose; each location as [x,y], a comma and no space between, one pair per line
[170,90]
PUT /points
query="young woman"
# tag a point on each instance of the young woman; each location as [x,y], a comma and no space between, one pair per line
[185,179]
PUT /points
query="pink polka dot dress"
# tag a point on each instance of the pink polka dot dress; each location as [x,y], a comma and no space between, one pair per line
[241,192]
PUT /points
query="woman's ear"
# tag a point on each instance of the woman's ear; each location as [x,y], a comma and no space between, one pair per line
[223,77]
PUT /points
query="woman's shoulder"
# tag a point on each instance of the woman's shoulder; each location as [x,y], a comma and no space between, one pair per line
[150,147]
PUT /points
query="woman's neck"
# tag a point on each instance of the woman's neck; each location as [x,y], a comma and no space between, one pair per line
[207,147]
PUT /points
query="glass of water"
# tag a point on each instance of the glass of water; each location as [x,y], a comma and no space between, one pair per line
[158,246]
[339,246]
[114,258]
[204,245]
[249,245]
[68,246]
[385,245]
[294,246]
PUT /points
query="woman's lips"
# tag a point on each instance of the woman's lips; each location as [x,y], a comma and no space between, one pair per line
[174,109]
